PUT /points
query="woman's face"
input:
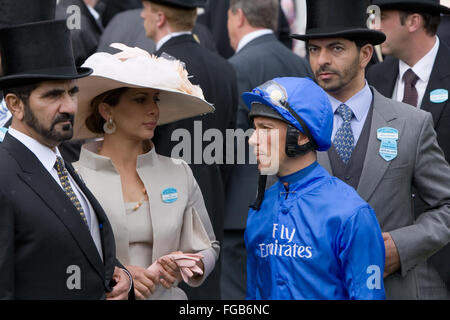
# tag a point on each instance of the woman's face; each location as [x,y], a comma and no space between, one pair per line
[136,114]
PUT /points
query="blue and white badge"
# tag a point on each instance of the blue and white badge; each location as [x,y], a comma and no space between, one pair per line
[169,195]
[439,95]
[388,147]
[3,132]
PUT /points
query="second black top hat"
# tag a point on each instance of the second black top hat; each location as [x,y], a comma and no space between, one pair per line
[13,12]
[426,6]
[339,19]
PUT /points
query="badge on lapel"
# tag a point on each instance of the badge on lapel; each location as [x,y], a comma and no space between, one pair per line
[169,195]
[3,132]
[439,95]
[388,147]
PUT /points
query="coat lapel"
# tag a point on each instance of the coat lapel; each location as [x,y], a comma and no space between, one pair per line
[374,165]
[438,74]
[43,184]
[388,76]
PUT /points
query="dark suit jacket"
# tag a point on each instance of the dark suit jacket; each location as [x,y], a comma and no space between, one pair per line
[42,234]
[444,30]
[260,60]
[383,77]
[110,8]
[84,40]
[217,79]
[215,18]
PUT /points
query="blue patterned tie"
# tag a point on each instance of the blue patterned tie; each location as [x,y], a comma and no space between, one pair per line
[344,142]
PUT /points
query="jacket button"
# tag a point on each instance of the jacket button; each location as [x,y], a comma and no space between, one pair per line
[285,211]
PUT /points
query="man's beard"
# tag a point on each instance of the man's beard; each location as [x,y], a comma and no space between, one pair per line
[50,133]
[344,77]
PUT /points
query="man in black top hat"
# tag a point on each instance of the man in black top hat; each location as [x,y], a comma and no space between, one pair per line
[55,239]
[381,147]
[417,72]
[169,23]
[13,12]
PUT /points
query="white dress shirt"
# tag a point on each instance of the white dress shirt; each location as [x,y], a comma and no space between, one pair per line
[422,69]
[359,104]
[252,36]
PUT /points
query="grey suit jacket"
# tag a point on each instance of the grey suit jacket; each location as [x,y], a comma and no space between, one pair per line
[260,60]
[387,187]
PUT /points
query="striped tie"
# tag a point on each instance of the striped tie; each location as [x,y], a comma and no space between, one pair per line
[64,178]
[344,142]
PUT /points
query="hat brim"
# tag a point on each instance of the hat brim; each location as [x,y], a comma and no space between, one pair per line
[418,6]
[263,110]
[30,78]
[173,105]
[373,37]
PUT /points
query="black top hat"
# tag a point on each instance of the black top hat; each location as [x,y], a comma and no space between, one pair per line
[13,12]
[426,6]
[339,19]
[36,52]
[183,4]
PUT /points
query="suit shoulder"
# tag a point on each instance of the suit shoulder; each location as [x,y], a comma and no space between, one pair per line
[6,160]
[273,56]
[379,69]
[401,109]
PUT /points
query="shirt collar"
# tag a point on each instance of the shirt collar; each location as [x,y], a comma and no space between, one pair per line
[251,36]
[299,175]
[359,103]
[170,36]
[424,66]
[44,154]
[93,12]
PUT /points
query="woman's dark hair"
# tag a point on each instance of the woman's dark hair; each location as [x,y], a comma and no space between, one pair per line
[94,122]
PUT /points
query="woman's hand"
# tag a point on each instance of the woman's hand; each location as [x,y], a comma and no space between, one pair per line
[170,271]
[144,281]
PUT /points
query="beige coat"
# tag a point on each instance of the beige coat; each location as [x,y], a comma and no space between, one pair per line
[181,225]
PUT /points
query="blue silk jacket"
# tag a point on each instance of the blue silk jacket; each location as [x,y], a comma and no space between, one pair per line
[315,239]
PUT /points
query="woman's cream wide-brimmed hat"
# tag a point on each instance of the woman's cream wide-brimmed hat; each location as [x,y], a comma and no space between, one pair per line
[136,68]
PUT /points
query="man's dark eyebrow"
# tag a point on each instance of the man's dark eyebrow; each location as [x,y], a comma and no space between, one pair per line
[335,43]
[52,93]
[74,90]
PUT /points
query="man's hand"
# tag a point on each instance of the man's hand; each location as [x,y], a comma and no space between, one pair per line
[392,263]
[120,290]
[144,281]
